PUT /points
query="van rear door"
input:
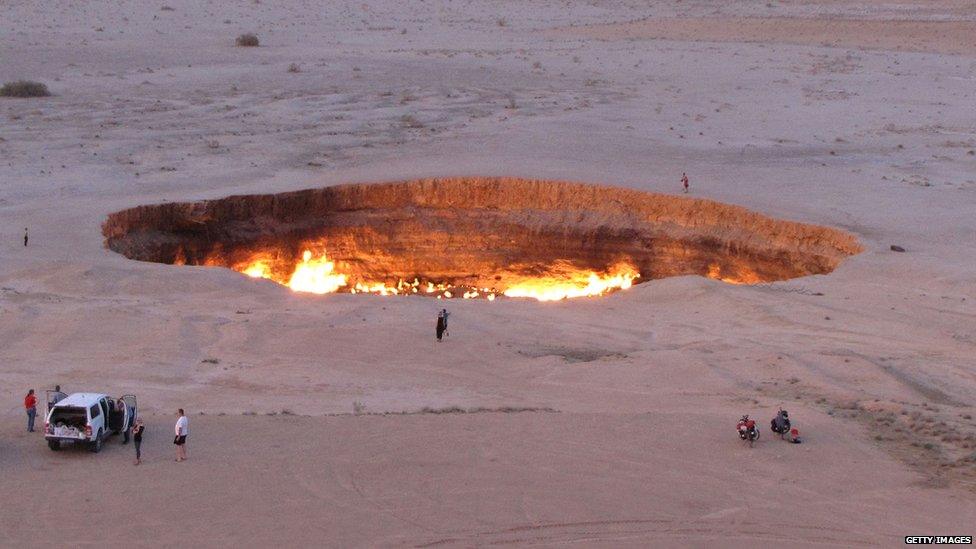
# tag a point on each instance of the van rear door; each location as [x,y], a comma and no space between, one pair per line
[130,402]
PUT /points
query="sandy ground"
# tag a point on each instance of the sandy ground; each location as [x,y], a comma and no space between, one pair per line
[910,35]
[854,125]
[531,478]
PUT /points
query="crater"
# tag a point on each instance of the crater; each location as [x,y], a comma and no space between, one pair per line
[476,237]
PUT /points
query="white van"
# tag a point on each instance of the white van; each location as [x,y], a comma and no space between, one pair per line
[89,418]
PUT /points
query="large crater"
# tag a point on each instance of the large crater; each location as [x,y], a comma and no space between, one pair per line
[476,237]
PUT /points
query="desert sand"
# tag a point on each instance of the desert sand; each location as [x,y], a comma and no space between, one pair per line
[338,421]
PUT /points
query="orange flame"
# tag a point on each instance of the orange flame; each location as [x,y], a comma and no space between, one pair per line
[258,269]
[566,283]
[741,275]
[561,281]
[316,275]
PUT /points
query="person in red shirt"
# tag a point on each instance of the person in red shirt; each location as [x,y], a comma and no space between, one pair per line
[30,404]
[795,436]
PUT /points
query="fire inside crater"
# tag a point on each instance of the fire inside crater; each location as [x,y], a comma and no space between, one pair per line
[475,238]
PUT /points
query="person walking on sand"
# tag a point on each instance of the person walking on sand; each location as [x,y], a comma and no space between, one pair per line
[182,430]
[441,325]
[137,431]
[30,404]
[25,237]
[684,181]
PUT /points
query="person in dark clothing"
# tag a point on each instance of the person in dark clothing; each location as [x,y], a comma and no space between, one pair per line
[25,236]
[441,326]
[781,423]
[137,439]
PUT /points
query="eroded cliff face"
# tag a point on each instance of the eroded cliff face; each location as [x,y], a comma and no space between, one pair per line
[484,235]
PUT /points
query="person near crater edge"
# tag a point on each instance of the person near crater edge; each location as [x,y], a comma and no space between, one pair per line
[441,324]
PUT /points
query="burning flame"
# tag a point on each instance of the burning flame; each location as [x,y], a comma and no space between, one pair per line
[575,284]
[742,275]
[317,274]
[258,269]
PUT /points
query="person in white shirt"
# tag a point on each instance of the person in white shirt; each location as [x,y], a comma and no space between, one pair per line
[182,430]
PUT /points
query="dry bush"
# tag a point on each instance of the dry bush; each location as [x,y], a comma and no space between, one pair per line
[501,22]
[24,88]
[409,121]
[294,68]
[248,40]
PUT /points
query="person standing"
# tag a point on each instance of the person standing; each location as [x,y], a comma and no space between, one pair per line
[137,431]
[182,431]
[25,237]
[441,325]
[56,397]
[684,181]
[30,404]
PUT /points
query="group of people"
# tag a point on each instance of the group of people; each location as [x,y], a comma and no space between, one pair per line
[30,405]
[181,430]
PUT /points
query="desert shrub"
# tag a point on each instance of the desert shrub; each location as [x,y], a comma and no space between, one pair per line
[409,121]
[294,68]
[248,40]
[24,88]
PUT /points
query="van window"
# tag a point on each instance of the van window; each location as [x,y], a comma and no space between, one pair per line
[94,411]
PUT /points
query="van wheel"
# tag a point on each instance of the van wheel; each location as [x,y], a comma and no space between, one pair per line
[54,445]
[96,445]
